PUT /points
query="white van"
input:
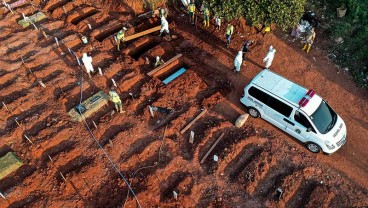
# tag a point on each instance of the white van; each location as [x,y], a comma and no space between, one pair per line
[297,111]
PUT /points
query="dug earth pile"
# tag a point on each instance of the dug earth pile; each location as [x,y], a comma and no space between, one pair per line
[41,81]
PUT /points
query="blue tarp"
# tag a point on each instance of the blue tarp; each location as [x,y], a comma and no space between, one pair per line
[173,76]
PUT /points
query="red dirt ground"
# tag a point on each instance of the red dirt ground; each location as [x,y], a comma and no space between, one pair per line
[151,153]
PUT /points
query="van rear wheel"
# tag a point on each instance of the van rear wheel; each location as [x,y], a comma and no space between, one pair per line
[253,112]
[313,147]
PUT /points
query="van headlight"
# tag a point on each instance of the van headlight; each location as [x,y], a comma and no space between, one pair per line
[329,145]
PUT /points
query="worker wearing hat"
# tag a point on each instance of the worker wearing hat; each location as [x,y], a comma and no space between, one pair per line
[115,98]
[120,37]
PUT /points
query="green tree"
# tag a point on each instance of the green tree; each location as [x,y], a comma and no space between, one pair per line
[284,13]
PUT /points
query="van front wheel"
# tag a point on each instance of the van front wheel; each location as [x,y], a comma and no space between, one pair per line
[253,112]
[313,147]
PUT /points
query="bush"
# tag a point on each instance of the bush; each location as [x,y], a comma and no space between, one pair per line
[284,14]
[353,28]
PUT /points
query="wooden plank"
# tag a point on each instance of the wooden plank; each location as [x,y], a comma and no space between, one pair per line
[137,35]
[213,146]
[192,122]
[164,65]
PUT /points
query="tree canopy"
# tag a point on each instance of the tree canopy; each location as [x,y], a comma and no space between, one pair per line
[284,13]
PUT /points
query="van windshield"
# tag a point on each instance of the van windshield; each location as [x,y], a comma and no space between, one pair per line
[324,118]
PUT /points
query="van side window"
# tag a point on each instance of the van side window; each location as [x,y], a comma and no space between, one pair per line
[279,106]
[259,95]
[300,118]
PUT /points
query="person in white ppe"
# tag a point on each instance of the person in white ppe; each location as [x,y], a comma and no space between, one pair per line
[87,61]
[238,62]
[269,57]
[164,26]
[158,62]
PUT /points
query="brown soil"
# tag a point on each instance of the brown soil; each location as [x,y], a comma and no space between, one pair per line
[151,153]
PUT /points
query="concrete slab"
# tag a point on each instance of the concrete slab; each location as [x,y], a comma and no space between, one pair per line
[89,106]
[32,19]
[8,164]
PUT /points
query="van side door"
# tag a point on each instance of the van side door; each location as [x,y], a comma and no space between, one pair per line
[277,112]
[300,126]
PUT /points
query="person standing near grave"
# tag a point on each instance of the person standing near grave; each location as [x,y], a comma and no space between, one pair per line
[269,57]
[87,61]
[120,37]
[218,22]
[115,98]
[229,32]
[164,26]
[238,62]
[158,62]
[206,16]
[309,40]
[246,49]
[191,11]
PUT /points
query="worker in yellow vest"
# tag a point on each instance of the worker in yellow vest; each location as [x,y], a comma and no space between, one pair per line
[229,32]
[206,16]
[115,98]
[191,11]
[309,40]
[120,37]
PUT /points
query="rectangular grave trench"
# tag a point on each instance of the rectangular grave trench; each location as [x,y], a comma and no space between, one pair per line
[108,32]
[83,15]
[59,3]
[142,48]
[172,71]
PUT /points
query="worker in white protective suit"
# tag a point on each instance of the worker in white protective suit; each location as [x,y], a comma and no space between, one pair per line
[269,57]
[164,26]
[238,62]
[87,61]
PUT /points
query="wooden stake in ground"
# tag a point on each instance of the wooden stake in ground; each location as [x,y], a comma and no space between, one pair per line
[113,82]
[213,146]
[175,195]
[2,195]
[44,34]
[191,138]
[151,111]
[94,124]
[192,122]
[6,107]
[28,139]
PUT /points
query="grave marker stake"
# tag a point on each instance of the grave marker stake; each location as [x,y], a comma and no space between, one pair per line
[94,124]
[175,195]
[191,138]
[44,34]
[100,71]
[64,9]
[56,40]
[89,26]
[34,26]
[6,108]
[28,139]
[113,82]
[151,111]
[2,195]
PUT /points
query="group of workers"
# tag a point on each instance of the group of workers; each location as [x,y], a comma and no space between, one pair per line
[162,13]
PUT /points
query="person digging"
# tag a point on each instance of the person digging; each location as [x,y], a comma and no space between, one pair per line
[115,98]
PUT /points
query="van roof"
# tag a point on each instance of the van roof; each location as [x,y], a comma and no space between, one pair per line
[280,86]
